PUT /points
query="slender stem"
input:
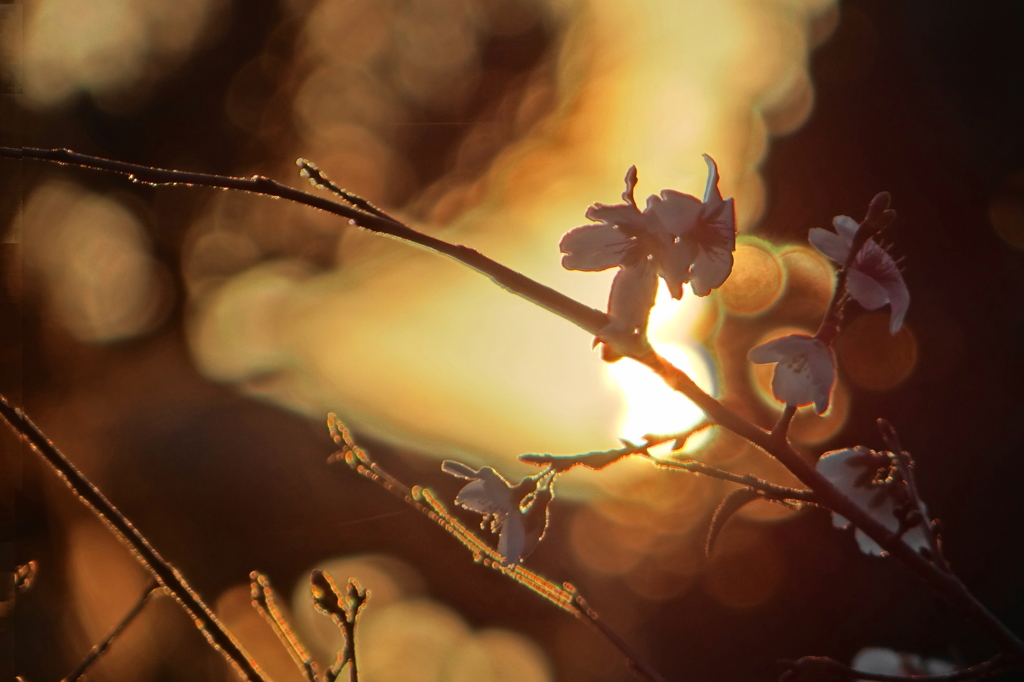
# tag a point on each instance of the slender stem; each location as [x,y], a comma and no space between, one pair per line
[100,648]
[766,489]
[264,602]
[216,634]
[579,314]
[781,429]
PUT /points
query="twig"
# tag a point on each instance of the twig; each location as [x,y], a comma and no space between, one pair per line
[579,314]
[905,465]
[603,458]
[824,668]
[216,634]
[764,488]
[344,609]
[98,650]
[264,603]
[564,596]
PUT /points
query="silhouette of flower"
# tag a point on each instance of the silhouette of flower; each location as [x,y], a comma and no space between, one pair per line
[518,513]
[854,472]
[804,372]
[873,279]
[677,236]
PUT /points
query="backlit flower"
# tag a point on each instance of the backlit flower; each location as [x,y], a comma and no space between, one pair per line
[854,472]
[805,370]
[677,236]
[873,278]
[518,513]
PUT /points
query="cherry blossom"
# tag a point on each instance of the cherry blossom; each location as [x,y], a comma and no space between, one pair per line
[873,279]
[854,471]
[518,513]
[805,369]
[677,237]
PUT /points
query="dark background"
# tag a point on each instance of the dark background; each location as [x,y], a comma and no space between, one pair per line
[924,99]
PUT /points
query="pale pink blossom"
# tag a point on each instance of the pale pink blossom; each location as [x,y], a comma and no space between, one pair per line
[804,370]
[517,513]
[853,471]
[677,236]
[873,279]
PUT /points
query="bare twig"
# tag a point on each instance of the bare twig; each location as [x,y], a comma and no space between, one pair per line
[263,601]
[579,314]
[905,466]
[344,609]
[100,648]
[764,488]
[732,503]
[565,596]
[821,668]
[216,634]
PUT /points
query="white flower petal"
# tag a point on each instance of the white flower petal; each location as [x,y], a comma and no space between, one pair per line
[779,349]
[674,261]
[673,212]
[629,306]
[594,247]
[624,215]
[632,296]
[899,300]
[711,192]
[805,371]
[450,466]
[847,228]
[631,178]
[830,244]
[512,540]
[489,494]
[865,290]
[710,270]
[876,263]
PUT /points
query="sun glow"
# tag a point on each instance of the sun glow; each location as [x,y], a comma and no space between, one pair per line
[651,407]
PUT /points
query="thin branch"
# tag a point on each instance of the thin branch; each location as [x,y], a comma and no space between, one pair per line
[579,314]
[764,488]
[564,596]
[263,601]
[100,648]
[216,634]
[603,458]
[824,668]
[905,465]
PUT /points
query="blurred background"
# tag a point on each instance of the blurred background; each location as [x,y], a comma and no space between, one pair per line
[183,346]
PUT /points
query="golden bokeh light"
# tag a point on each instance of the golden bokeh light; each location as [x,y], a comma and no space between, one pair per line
[810,281]
[106,582]
[757,279]
[104,47]
[93,261]
[402,635]
[872,357]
